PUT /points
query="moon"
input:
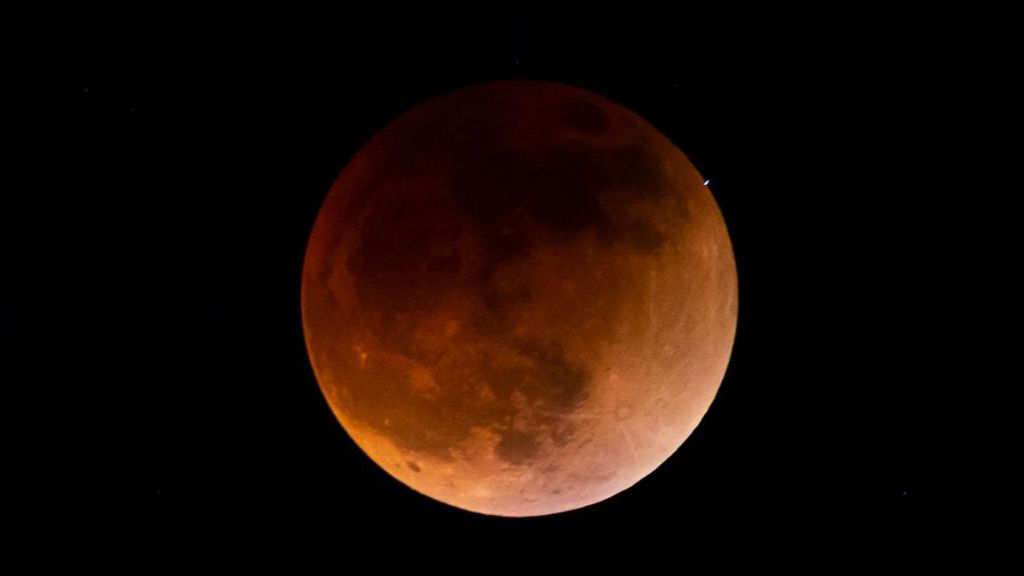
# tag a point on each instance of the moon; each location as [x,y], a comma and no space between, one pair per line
[519,298]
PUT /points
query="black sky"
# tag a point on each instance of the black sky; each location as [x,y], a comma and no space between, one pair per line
[162,377]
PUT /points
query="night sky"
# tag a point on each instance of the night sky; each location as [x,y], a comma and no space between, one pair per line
[162,380]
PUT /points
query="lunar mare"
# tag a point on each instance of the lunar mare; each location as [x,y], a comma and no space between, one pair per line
[519,298]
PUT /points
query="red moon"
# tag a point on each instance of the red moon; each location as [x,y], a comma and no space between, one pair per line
[519,298]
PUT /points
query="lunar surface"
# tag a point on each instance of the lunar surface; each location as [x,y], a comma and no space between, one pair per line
[519,298]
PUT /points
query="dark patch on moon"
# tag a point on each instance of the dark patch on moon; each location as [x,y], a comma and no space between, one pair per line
[643,236]
[586,117]
[554,380]
[406,257]
[412,465]
[517,447]
[501,293]
[560,189]
[550,185]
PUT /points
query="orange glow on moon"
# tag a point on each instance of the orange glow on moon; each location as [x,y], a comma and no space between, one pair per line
[519,298]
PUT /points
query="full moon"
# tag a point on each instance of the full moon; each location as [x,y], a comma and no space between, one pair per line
[519,298]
